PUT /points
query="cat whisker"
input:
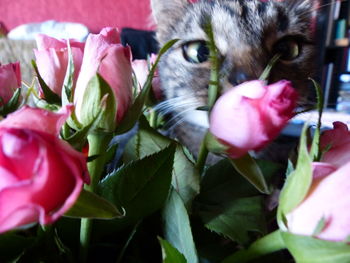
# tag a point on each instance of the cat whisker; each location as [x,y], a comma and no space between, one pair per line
[169,106]
[319,8]
[177,119]
[176,104]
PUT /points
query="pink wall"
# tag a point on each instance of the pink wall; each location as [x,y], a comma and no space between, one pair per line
[95,14]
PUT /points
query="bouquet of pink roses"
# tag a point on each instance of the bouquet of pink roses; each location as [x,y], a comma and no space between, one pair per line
[86,175]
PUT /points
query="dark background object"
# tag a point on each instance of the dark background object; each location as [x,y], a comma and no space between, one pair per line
[142,42]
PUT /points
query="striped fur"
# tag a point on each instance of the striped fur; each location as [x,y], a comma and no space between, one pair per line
[245,32]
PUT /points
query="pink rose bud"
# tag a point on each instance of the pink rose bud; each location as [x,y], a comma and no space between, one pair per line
[52,60]
[41,175]
[249,116]
[140,68]
[10,80]
[105,55]
[328,200]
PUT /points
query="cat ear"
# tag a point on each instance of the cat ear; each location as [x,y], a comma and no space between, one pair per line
[165,12]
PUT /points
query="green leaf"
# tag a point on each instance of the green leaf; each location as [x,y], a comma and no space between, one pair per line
[236,219]
[314,250]
[78,139]
[249,169]
[185,178]
[68,79]
[177,228]
[46,247]
[98,94]
[320,226]
[214,145]
[267,244]
[290,168]
[171,254]
[229,205]
[90,205]
[135,111]
[49,95]
[12,246]
[141,187]
[315,152]
[297,183]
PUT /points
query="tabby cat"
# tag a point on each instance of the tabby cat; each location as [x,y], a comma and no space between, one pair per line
[248,33]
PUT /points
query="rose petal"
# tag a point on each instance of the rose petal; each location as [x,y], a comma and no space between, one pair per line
[38,119]
[327,200]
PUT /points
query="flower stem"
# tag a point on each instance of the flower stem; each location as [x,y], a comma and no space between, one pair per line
[214,86]
[268,244]
[202,157]
[98,144]
[213,89]
[153,118]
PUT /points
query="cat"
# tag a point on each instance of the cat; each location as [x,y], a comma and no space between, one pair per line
[247,33]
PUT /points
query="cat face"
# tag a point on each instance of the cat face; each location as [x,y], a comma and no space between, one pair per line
[247,33]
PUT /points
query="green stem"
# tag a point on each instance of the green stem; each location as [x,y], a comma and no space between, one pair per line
[268,244]
[213,87]
[98,144]
[202,157]
[266,73]
[153,118]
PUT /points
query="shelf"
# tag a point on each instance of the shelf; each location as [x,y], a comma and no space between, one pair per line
[329,116]
[337,47]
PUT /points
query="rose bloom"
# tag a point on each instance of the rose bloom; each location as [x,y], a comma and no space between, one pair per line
[52,60]
[105,55]
[328,198]
[41,175]
[10,80]
[141,70]
[249,116]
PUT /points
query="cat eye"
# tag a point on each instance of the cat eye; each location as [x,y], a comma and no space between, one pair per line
[195,52]
[289,48]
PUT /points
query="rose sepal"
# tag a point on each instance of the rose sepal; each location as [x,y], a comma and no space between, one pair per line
[50,96]
[313,250]
[78,139]
[136,109]
[90,205]
[98,94]
[245,165]
[214,145]
[297,184]
[13,103]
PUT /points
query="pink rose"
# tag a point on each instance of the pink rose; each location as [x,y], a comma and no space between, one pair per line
[249,116]
[328,198]
[141,70]
[10,80]
[105,55]
[41,175]
[52,60]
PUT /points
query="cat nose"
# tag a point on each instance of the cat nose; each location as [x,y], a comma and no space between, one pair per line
[237,77]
